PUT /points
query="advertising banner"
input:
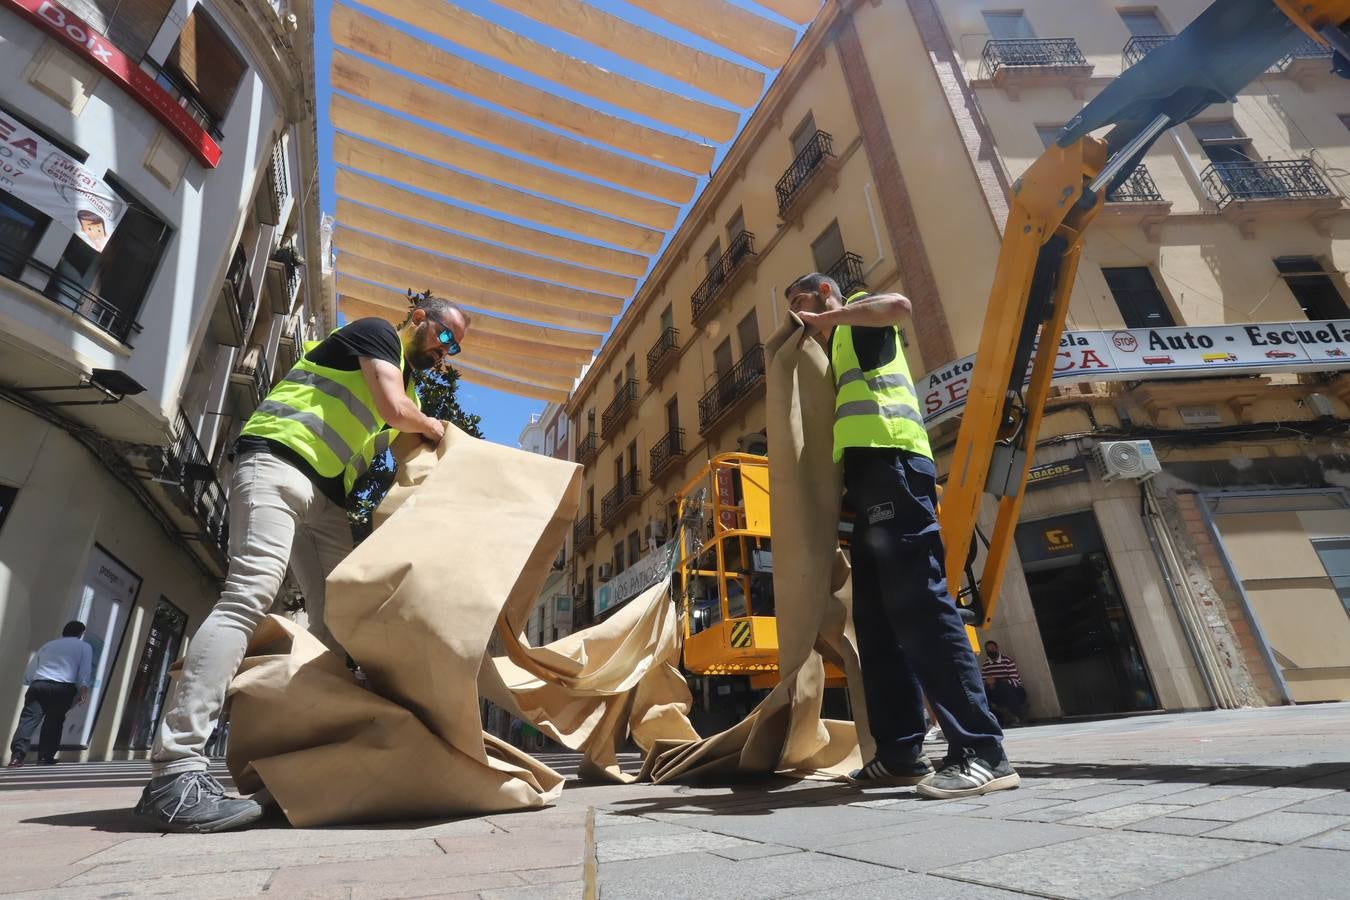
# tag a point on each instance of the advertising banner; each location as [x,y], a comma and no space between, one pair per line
[1142,353]
[635,579]
[110,589]
[42,175]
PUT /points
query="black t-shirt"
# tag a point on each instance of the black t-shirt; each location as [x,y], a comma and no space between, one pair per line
[342,350]
[875,345]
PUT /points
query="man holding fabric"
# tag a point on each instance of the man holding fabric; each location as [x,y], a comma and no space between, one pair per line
[911,642]
[298,457]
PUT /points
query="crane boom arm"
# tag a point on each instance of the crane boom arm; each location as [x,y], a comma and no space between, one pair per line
[1228,45]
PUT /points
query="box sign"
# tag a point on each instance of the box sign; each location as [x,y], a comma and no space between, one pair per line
[1141,353]
[635,579]
[95,49]
[1048,543]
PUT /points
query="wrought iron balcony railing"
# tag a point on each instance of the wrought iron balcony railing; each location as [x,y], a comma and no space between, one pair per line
[616,501]
[809,161]
[1136,48]
[184,96]
[663,353]
[259,376]
[277,170]
[1041,53]
[1293,179]
[1309,50]
[71,294]
[712,287]
[587,448]
[583,532]
[192,473]
[668,449]
[743,378]
[1138,188]
[847,273]
[619,409]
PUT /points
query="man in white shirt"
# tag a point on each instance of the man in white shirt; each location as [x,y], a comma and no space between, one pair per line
[60,671]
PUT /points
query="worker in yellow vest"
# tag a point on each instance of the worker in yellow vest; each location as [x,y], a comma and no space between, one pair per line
[296,461]
[911,641]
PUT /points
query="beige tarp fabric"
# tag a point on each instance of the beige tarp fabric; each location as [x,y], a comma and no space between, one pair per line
[727,25]
[463,542]
[785,733]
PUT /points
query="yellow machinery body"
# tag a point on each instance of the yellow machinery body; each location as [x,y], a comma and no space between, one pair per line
[724,574]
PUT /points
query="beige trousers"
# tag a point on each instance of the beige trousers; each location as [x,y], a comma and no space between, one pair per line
[277,518]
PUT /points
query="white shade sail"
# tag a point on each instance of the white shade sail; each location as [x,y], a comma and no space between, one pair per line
[527,159]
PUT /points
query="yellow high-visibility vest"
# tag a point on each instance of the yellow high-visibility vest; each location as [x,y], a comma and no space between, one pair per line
[874,407]
[328,416]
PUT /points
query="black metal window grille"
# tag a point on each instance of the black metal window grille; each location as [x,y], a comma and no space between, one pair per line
[741,247]
[732,386]
[813,154]
[1138,188]
[1051,53]
[1293,179]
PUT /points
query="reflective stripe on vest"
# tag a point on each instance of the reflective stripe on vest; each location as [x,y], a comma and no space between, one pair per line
[327,416]
[874,407]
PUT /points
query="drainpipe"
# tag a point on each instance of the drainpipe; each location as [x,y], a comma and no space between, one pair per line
[1185,616]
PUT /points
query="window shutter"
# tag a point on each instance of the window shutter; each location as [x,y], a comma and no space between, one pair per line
[205,60]
[131,25]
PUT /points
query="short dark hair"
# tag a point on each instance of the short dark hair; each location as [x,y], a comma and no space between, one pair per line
[429,302]
[85,215]
[74,628]
[811,283]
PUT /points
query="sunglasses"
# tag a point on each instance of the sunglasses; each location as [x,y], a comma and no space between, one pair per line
[445,336]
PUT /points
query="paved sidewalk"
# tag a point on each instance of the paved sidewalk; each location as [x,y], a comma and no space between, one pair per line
[1239,804]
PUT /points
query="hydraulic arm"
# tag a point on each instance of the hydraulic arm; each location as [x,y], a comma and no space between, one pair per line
[1229,45]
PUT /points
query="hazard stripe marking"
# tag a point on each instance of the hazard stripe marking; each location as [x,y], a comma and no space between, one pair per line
[741,634]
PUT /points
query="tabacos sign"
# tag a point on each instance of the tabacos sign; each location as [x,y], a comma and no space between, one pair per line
[1141,353]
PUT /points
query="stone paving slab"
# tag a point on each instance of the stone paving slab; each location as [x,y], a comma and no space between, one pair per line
[1293,872]
[1280,827]
[1103,865]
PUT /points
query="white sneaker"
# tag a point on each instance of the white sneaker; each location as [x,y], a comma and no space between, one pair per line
[934,734]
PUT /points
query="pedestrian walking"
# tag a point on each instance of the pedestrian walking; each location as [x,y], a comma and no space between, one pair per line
[297,460]
[58,676]
[911,641]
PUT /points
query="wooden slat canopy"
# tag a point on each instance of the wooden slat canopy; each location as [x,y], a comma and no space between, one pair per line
[528,176]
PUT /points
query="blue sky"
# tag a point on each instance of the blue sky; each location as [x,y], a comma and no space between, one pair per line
[504,415]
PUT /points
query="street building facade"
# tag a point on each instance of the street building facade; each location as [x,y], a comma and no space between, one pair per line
[1185,538]
[547,433]
[160,264]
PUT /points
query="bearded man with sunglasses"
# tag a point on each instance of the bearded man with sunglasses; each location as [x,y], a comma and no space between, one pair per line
[296,461]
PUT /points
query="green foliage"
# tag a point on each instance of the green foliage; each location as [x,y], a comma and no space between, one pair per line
[438,390]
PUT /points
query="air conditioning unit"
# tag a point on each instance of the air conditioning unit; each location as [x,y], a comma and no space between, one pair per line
[606,571]
[1134,460]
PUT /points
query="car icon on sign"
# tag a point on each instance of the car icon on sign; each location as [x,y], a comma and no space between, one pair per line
[1335,351]
[1280,354]
[1158,360]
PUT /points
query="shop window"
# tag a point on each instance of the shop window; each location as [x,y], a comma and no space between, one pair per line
[205,69]
[1137,297]
[109,287]
[1335,556]
[634,546]
[131,25]
[145,702]
[1312,287]
[1011,25]
[748,332]
[618,557]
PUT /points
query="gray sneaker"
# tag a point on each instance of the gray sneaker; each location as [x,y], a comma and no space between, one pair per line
[195,802]
[968,775]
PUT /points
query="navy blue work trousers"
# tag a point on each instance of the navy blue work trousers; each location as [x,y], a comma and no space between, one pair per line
[911,641]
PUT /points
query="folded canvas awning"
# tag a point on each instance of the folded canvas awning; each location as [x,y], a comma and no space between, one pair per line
[528,159]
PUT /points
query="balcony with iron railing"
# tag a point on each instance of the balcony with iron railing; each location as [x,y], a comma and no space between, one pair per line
[184,96]
[1139,187]
[583,533]
[668,450]
[188,473]
[1036,62]
[663,353]
[1137,201]
[812,168]
[618,501]
[1249,191]
[280,184]
[1308,60]
[743,381]
[255,376]
[69,294]
[724,275]
[623,406]
[587,448]
[1139,46]
[847,272]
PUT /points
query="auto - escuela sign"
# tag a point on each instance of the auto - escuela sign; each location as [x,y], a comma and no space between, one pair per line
[42,175]
[98,51]
[1141,353]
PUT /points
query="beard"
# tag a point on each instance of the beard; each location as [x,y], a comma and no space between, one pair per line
[422,360]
